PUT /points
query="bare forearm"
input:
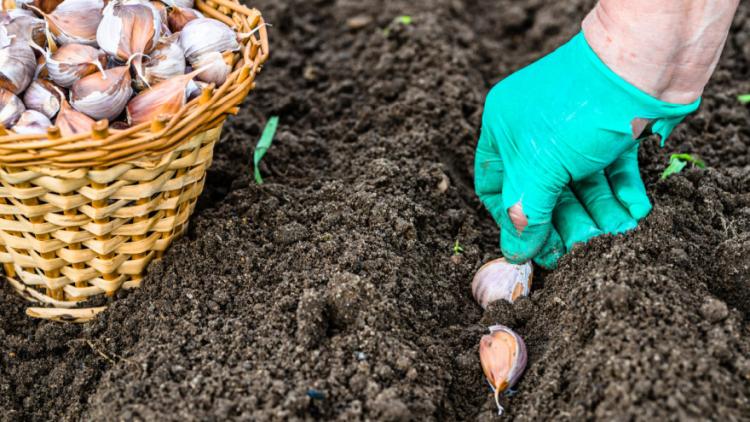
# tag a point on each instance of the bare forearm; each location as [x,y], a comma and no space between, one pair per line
[668,48]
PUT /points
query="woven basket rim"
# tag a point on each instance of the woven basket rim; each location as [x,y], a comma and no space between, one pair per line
[106,147]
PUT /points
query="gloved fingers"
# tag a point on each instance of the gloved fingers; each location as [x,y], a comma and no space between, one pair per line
[572,221]
[597,197]
[627,185]
[551,252]
[526,223]
[488,175]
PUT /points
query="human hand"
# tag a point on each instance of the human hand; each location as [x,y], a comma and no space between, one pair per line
[557,162]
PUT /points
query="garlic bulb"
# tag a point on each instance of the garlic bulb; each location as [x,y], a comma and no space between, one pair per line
[42,96]
[204,35]
[102,95]
[499,279]
[32,122]
[129,30]
[216,68]
[503,357]
[179,17]
[165,62]
[165,98]
[11,108]
[17,66]
[71,122]
[75,21]
[72,62]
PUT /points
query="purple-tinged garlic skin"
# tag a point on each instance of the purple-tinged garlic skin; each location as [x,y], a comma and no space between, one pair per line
[503,355]
[499,279]
[43,97]
[11,108]
[32,122]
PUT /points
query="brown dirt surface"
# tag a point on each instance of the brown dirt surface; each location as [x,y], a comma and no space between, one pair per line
[329,292]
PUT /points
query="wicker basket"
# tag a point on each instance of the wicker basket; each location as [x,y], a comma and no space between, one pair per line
[83,216]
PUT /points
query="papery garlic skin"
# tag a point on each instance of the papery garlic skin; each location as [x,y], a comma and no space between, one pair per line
[204,35]
[165,98]
[22,27]
[128,29]
[42,96]
[499,279]
[165,62]
[102,95]
[503,357]
[71,122]
[216,70]
[75,21]
[11,108]
[179,17]
[32,122]
[72,62]
[17,66]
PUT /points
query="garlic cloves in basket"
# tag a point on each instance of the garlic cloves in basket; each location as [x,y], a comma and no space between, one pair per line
[75,21]
[205,41]
[32,122]
[165,62]
[503,356]
[71,122]
[42,96]
[164,98]
[102,95]
[72,62]
[129,31]
[11,108]
[178,17]
[17,66]
[499,279]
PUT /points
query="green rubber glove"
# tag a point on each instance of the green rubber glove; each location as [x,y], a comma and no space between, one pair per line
[558,148]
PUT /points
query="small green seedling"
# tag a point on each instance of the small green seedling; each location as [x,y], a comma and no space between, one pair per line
[457,248]
[265,141]
[744,99]
[677,162]
[405,20]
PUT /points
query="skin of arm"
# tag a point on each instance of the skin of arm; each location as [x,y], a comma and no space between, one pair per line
[667,48]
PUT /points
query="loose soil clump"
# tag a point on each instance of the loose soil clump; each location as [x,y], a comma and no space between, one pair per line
[331,292]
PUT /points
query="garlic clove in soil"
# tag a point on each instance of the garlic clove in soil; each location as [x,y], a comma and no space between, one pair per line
[11,108]
[32,122]
[17,66]
[75,21]
[499,279]
[129,30]
[164,98]
[72,62]
[503,357]
[43,96]
[165,62]
[179,17]
[70,121]
[103,95]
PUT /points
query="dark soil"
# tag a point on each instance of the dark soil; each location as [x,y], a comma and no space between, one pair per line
[329,292]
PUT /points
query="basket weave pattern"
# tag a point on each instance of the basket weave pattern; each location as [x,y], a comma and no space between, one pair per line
[83,216]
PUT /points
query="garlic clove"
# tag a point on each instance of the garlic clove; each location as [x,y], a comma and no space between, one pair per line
[71,122]
[11,108]
[499,279]
[216,70]
[75,21]
[179,17]
[129,29]
[32,122]
[22,26]
[204,35]
[165,98]
[102,95]
[72,62]
[17,66]
[43,96]
[166,61]
[163,16]
[503,356]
